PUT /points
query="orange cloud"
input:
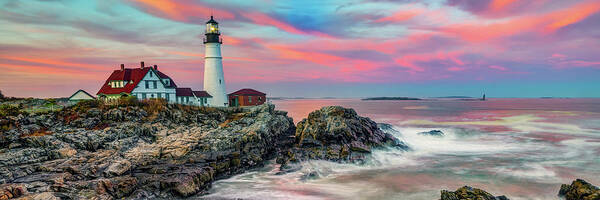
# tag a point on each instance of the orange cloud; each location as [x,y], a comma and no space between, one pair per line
[572,15]
[545,23]
[53,62]
[400,16]
[497,5]
[181,11]
[315,57]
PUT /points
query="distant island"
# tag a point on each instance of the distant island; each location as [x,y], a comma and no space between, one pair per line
[390,98]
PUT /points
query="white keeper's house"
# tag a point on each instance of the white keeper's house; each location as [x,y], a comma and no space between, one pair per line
[147,83]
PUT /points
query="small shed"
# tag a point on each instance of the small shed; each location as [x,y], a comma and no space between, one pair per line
[79,96]
[247,97]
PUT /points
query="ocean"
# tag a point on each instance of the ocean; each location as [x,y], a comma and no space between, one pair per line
[521,148]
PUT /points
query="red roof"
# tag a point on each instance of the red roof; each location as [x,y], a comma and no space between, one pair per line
[248,92]
[184,92]
[164,76]
[201,94]
[135,75]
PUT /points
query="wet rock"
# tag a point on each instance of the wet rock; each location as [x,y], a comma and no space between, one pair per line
[11,191]
[178,151]
[119,167]
[117,187]
[469,193]
[579,190]
[388,128]
[337,134]
[436,133]
[45,196]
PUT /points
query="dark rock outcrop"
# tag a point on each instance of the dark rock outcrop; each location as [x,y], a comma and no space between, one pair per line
[579,190]
[337,134]
[469,193]
[436,133]
[135,151]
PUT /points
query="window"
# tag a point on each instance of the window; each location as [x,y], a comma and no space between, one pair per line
[154,84]
[250,99]
[219,81]
[147,84]
[187,99]
[150,73]
[143,95]
[167,96]
[159,95]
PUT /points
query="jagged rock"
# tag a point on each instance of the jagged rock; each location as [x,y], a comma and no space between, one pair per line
[117,187]
[579,190]
[437,133]
[119,167]
[124,152]
[337,134]
[11,191]
[45,196]
[388,128]
[469,193]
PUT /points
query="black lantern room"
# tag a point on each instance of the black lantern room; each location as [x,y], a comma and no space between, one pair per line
[212,32]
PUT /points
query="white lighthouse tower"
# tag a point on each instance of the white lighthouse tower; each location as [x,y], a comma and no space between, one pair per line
[214,81]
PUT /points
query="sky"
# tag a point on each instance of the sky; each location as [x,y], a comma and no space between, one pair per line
[310,48]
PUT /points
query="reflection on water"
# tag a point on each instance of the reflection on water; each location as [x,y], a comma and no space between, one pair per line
[523,148]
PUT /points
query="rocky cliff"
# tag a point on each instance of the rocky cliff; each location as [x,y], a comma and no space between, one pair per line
[579,190]
[146,151]
[337,134]
[469,193]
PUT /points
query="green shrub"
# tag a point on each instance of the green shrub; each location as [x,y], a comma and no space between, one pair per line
[9,110]
[129,101]
[85,105]
[153,106]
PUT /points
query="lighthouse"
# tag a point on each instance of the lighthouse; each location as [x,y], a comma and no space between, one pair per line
[214,80]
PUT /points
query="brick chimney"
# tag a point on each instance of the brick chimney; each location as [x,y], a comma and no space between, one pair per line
[122,67]
[155,67]
[142,64]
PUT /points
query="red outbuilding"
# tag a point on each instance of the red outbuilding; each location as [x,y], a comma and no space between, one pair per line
[247,97]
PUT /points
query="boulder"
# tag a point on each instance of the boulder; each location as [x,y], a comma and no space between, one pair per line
[436,133]
[337,134]
[579,190]
[118,167]
[469,193]
[10,191]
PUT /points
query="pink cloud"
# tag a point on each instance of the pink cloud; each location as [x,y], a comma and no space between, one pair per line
[263,19]
[559,56]
[481,31]
[497,67]
[411,61]
[498,5]
[181,11]
[456,69]
[401,16]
